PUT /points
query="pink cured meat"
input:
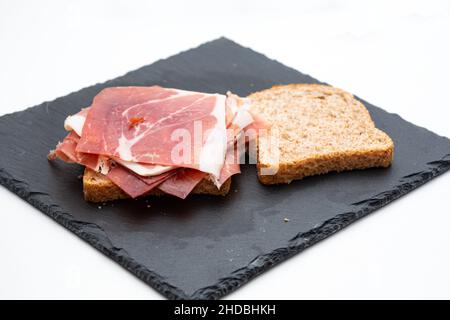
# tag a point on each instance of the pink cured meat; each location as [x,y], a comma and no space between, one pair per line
[134,185]
[182,183]
[186,180]
[231,166]
[178,182]
[66,150]
[111,128]
[130,183]
[77,126]
[257,125]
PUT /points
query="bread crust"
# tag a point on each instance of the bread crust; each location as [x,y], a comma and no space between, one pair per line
[99,188]
[337,162]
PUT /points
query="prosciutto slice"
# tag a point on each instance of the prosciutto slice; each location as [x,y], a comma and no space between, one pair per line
[145,125]
[66,151]
[129,182]
[182,183]
[133,185]
[128,135]
[238,117]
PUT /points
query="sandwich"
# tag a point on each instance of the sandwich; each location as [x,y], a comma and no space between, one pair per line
[141,141]
[138,141]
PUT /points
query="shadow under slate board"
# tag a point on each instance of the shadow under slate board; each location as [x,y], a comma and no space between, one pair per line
[206,246]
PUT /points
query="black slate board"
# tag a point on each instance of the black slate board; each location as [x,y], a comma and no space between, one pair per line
[206,247]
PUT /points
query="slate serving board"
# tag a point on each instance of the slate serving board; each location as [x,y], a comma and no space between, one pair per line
[205,246]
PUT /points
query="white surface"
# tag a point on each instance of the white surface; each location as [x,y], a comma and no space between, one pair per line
[392,53]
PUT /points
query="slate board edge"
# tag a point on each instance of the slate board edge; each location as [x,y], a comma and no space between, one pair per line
[304,240]
[92,234]
[96,237]
[47,102]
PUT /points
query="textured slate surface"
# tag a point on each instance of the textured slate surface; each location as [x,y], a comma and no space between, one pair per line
[206,247]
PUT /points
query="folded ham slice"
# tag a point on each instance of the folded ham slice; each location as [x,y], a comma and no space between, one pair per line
[130,134]
[141,124]
[66,151]
[133,185]
[182,183]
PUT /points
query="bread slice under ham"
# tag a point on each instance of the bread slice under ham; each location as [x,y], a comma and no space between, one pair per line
[99,188]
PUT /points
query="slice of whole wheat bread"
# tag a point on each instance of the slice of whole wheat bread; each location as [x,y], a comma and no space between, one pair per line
[316,129]
[99,188]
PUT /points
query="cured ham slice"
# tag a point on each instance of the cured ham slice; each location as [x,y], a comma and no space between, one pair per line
[244,121]
[133,185]
[144,169]
[76,123]
[231,166]
[130,183]
[130,133]
[142,124]
[238,117]
[66,150]
[182,183]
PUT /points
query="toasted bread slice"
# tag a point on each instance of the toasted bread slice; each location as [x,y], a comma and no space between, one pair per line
[99,188]
[316,129]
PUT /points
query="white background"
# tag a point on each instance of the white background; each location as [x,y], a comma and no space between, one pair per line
[394,54]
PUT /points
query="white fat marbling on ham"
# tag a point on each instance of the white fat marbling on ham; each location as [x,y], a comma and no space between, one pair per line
[212,154]
[66,150]
[143,169]
[132,128]
[76,122]
[240,107]
[135,124]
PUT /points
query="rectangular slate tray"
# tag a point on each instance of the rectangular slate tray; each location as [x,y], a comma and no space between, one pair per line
[206,246]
